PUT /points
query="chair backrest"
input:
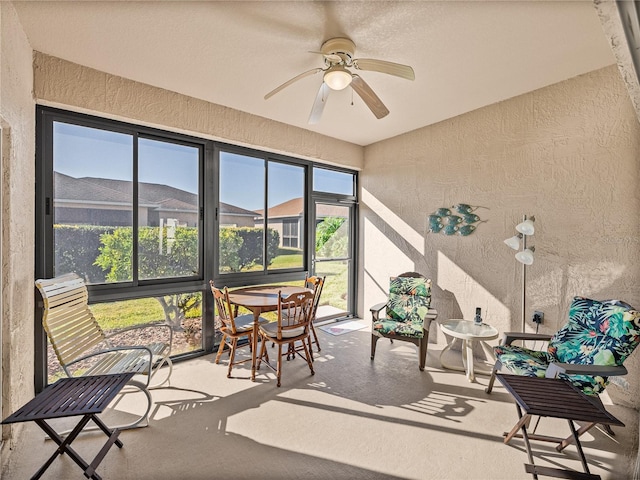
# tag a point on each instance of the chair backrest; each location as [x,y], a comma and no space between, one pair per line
[315,283]
[223,307]
[294,314]
[71,327]
[409,298]
[597,333]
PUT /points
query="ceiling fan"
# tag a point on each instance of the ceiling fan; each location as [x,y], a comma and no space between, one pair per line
[338,59]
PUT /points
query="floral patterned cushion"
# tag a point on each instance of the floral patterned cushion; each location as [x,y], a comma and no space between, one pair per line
[408,304]
[598,333]
[402,329]
[523,361]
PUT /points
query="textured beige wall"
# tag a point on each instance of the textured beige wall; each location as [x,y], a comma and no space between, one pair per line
[69,85]
[18,122]
[567,154]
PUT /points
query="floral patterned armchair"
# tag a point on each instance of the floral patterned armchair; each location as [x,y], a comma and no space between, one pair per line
[408,313]
[592,346]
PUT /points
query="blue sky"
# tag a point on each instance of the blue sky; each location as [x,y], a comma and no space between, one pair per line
[86,152]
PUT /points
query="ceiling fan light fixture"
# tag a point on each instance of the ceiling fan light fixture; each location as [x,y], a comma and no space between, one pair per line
[337,77]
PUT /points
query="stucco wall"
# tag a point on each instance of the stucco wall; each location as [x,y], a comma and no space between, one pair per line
[567,154]
[75,87]
[18,122]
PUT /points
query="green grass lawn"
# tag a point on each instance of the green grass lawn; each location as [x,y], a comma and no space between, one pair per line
[287,258]
[116,315]
[334,285]
[122,314]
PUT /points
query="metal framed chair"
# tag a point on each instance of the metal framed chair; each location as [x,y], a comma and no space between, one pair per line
[82,347]
[408,314]
[233,327]
[294,317]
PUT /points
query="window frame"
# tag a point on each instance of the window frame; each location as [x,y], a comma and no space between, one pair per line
[209,225]
[266,275]
[45,118]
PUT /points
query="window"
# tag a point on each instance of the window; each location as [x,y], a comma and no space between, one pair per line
[332,181]
[92,196]
[252,238]
[290,233]
[286,200]
[168,206]
[122,206]
[147,217]
[95,201]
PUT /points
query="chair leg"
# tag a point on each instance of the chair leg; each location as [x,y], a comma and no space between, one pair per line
[424,342]
[221,348]
[492,378]
[308,357]
[263,353]
[232,355]
[167,379]
[374,340]
[315,337]
[279,363]
[310,345]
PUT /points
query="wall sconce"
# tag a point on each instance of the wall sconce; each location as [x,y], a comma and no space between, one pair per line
[524,255]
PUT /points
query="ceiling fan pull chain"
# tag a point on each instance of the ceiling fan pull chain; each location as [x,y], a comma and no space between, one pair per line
[352,97]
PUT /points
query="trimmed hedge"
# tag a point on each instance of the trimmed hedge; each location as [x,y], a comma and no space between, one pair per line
[76,250]
[250,252]
[101,253]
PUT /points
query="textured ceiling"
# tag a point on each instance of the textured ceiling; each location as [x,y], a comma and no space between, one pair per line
[466,54]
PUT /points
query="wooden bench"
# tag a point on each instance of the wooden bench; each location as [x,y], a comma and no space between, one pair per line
[83,349]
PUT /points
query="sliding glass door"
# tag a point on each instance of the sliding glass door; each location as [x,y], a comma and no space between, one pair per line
[333,258]
[334,240]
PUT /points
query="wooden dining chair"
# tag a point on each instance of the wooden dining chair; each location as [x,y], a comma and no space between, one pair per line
[233,328]
[294,316]
[314,283]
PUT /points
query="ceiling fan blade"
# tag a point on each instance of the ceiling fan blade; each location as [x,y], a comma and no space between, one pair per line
[369,97]
[289,82]
[382,66]
[318,104]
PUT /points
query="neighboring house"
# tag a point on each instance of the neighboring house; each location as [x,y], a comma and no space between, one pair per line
[102,201]
[288,219]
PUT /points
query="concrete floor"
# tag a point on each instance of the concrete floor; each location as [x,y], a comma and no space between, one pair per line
[354,419]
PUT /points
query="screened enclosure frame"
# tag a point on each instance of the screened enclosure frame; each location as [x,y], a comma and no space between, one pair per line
[208,223]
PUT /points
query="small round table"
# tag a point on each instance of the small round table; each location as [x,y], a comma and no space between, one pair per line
[469,333]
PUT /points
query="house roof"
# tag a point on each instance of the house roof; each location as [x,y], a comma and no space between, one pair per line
[89,190]
[295,208]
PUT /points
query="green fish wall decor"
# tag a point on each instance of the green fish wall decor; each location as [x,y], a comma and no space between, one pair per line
[452,219]
[466,230]
[446,222]
[450,229]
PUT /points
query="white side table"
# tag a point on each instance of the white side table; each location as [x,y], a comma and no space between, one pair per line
[469,333]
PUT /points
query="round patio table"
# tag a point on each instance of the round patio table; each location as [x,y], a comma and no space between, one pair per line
[259,300]
[470,333]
